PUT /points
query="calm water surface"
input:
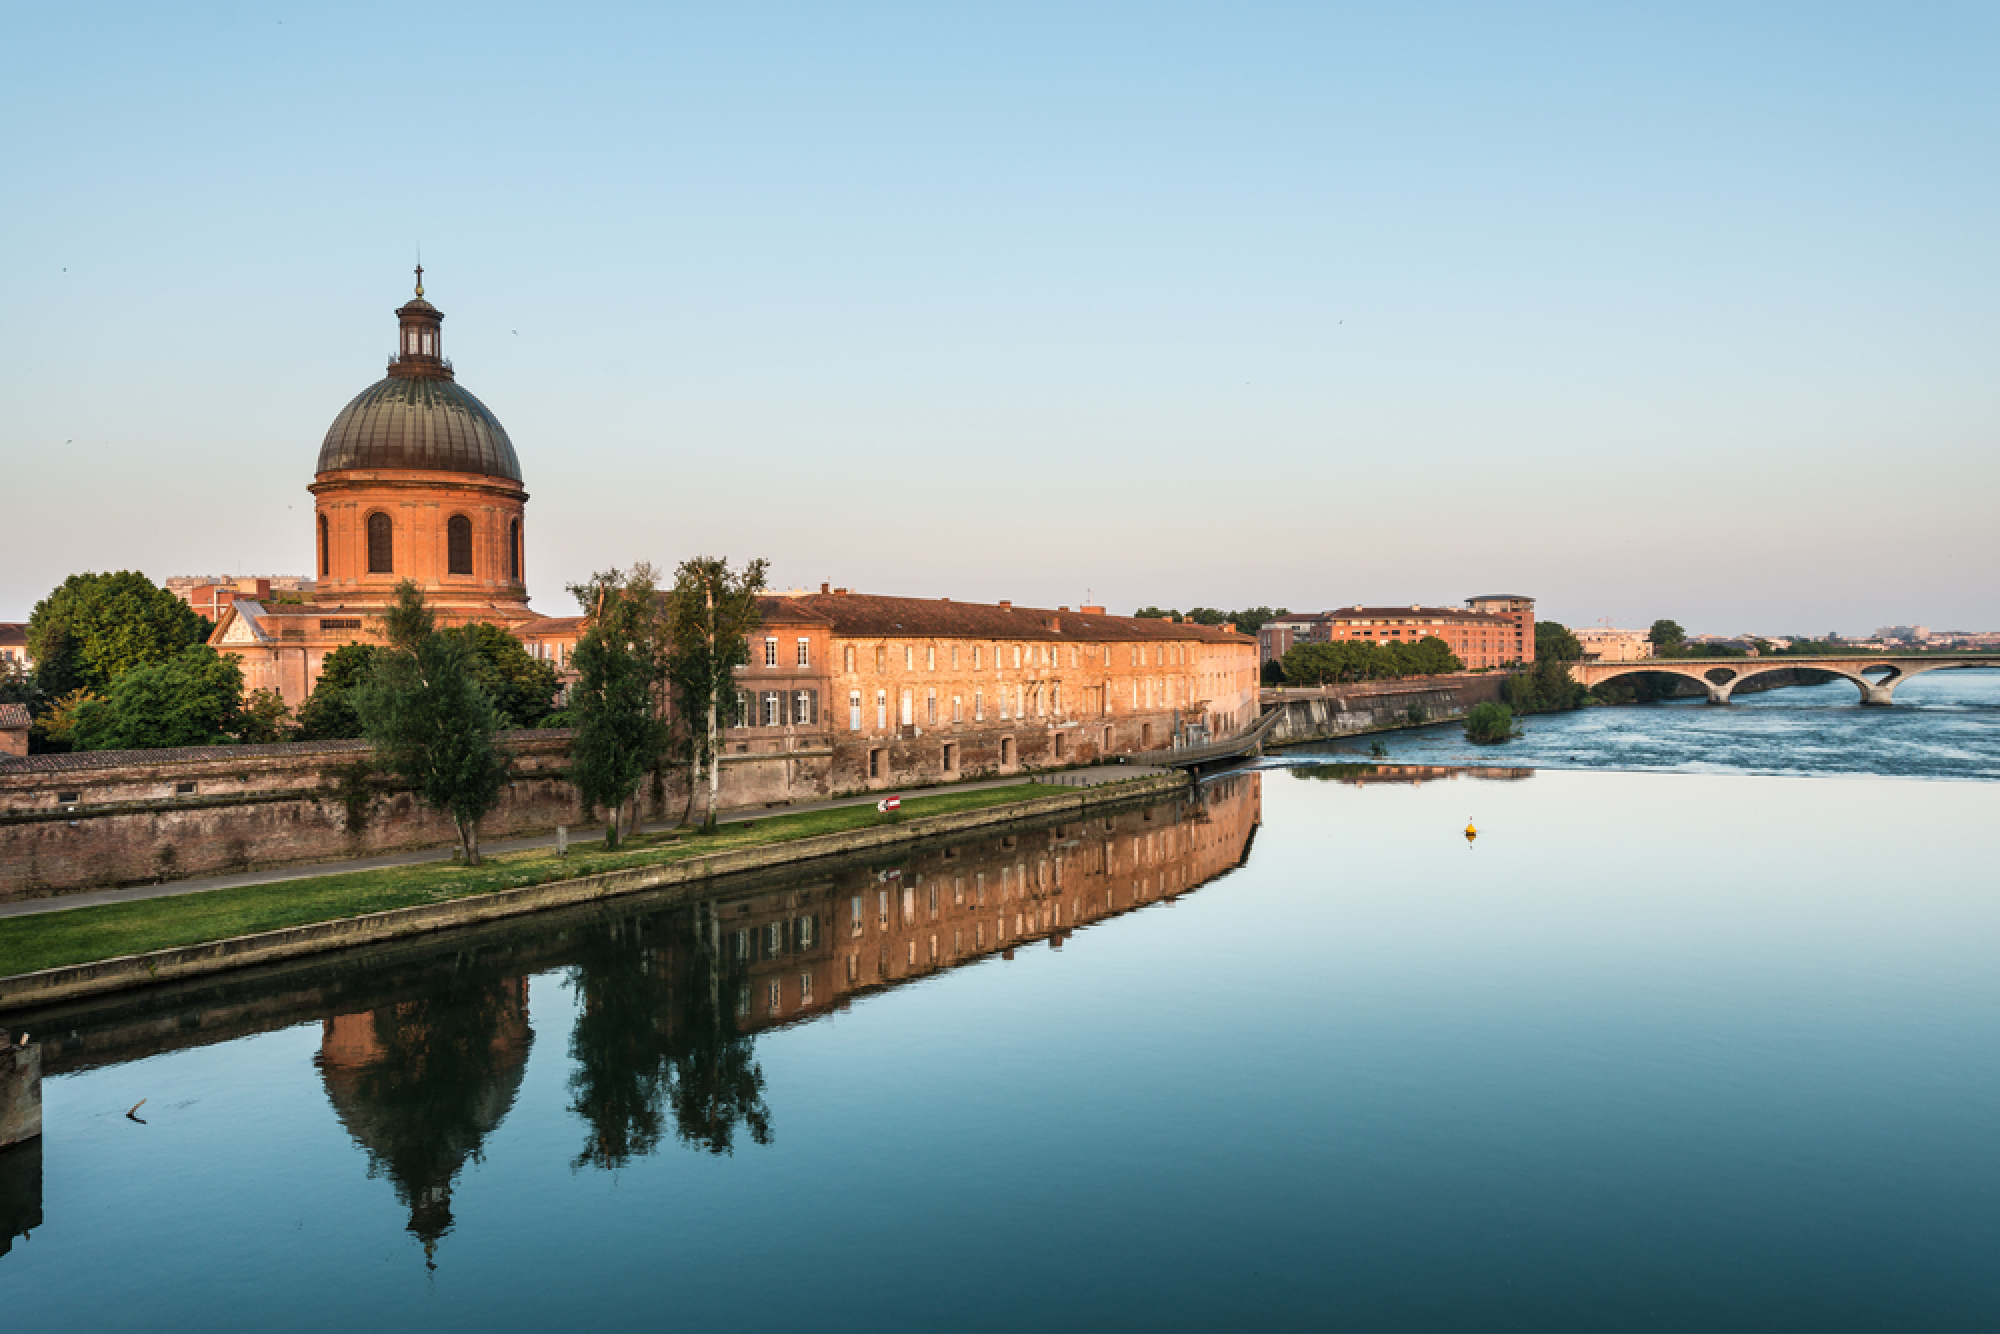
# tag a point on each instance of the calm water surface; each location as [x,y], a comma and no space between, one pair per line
[1659,1051]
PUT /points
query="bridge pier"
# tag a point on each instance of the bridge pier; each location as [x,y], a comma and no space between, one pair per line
[1717,694]
[1883,694]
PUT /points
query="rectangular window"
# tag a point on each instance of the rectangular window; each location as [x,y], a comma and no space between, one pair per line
[805,988]
[958,708]
[909,708]
[881,709]
[975,657]
[930,708]
[805,653]
[930,658]
[856,923]
[954,657]
[881,659]
[744,718]
[909,657]
[770,653]
[854,710]
[979,706]
[847,658]
[774,709]
[802,708]
[1017,655]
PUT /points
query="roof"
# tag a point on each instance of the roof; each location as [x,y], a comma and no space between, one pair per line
[1411,613]
[13,634]
[1501,597]
[864,615]
[431,425]
[549,625]
[13,717]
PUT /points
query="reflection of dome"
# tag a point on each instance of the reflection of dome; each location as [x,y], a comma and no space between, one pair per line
[424,423]
[420,1085]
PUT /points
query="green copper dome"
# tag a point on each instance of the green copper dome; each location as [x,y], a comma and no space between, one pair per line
[419,422]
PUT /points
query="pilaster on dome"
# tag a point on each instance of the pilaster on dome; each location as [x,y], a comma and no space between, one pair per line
[420,340]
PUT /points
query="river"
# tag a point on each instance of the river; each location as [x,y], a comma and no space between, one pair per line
[1711,1047]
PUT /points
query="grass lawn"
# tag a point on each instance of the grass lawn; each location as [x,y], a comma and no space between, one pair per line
[83,935]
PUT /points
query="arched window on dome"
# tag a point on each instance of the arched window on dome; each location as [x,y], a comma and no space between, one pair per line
[325,547]
[458,544]
[381,544]
[514,551]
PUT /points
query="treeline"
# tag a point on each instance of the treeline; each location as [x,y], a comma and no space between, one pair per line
[1339,661]
[1248,621]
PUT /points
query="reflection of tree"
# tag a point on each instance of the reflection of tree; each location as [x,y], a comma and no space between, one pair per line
[654,1037]
[420,1084]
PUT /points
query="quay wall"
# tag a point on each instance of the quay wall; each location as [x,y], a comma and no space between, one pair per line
[1337,711]
[138,970]
[102,819]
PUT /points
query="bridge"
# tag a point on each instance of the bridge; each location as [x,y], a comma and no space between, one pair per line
[1876,675]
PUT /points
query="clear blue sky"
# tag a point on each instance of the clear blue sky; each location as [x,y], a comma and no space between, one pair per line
[1680,310]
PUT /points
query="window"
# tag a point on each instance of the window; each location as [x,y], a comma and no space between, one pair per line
[979,706]
[770,653]
[958,708]
[909,657]
[458,544]
[881,659]
[1017,655]
[930,708]
[875,763]
[774,709]
[381,544]
[847,658]
[514,551]
[954,657]
[975,657]
[854,710]
[881,708]
[777,994]
[805,988]
[743,715]
[1055,699]
[909,707]
[930,658]
[325,549]
[803,710]
[855,923]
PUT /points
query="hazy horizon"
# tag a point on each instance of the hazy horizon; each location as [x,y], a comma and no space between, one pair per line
[1678,314]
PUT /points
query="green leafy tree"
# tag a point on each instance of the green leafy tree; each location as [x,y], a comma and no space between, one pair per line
[1156,614]
[1251,619]
[710,612]
[430,720]
[1544,687]
[1489,723]
[96,627]
[264,719]
[1667,638]
[1554,640]
[616,703]
[522,688]
[328,712]
[55,726]
[194,698]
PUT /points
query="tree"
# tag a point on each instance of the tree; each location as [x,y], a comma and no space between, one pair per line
[1156,614]
[96,627]
[193,699]
[710,614]
[328,713]
[264,719]
[430,720]
[56,724]
[1554,640]
[1251,619]
[1544,687]
[1489,723]
[1666,637]
[522,688]
[616,702]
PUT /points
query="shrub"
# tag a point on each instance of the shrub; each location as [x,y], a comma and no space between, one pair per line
[1489,723]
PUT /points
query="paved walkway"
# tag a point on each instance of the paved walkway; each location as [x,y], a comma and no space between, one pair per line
[1109,773]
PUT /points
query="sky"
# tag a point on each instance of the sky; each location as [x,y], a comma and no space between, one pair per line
[1678,311]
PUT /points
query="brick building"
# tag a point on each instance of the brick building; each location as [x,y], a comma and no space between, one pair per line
[898,690]
[14,646]
[209,594]
[416,479]
[1493,630]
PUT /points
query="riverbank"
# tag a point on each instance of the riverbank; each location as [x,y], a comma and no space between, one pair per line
[89,951]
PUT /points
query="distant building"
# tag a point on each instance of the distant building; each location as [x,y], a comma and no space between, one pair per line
[14,723]
[209,594]
[1603,644]
[1494,630]
[14,644]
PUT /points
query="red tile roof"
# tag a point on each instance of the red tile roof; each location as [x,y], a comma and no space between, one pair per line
[13,717]
[13,634]
[865,615]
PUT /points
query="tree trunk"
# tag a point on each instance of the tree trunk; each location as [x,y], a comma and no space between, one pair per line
[714,765]
[468,841]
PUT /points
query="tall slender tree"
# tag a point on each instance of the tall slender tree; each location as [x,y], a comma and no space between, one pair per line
[431,722]
[617,702]
[711,611]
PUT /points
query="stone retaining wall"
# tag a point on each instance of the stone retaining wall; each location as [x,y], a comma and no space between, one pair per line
[1345,710]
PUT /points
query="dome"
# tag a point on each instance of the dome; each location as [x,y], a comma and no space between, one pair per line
[419,422]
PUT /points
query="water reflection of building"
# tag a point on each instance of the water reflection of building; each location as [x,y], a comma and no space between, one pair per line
[804,951]
[1413,775]
[421,1083]
[20,1192]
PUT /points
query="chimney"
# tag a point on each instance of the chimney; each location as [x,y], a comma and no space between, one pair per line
[1230,627]
[1006,605]
[1091,611]
[824,589]
[1062,608]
